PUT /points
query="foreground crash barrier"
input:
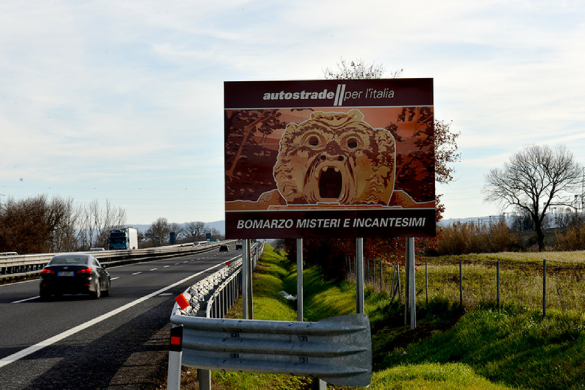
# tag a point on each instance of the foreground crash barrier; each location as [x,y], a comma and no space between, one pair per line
[337,350]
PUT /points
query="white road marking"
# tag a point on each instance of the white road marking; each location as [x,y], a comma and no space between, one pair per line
[50,341]
[117,277]
[27,299]
[154,269]
[136,273]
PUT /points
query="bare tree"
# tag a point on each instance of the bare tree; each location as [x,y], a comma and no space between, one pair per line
[96,221]
[63,217]
[215,233]
[178,229]
[533,180]
[158,232]
[24,225]
[358,69]
[195,230]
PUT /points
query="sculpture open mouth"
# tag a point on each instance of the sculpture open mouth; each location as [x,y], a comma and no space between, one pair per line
[330,183]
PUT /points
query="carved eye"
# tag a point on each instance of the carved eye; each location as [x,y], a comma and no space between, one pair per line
[352,143]
[313,141]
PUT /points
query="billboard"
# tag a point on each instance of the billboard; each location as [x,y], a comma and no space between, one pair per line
[329,158]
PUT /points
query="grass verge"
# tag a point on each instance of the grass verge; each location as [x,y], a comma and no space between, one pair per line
[451,348]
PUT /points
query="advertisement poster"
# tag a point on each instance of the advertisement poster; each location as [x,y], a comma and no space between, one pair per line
[329,158]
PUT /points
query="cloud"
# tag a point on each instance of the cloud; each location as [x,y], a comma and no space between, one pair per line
[103,92]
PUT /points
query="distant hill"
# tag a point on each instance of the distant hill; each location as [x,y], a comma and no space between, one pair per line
[219,225]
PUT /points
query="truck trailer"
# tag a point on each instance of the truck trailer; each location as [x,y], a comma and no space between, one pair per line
[124,238]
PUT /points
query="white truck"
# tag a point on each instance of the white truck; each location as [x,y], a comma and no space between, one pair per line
[124,238]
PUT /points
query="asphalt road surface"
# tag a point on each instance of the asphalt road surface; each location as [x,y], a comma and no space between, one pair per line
[116,342]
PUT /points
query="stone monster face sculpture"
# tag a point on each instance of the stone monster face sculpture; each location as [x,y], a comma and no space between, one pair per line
[336,158]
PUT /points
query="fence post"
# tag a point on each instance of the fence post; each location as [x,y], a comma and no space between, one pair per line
[544,288]
[381,277]
[498,279]
[460,283]
[427,281]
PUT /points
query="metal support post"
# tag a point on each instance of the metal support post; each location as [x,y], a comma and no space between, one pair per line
[412,284]
[300,283]
[406,282]
[204,377]
[359,285]
[245,272]
[250,286]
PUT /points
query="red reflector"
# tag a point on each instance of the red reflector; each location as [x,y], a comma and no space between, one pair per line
[227,263]
[175,340]
[182,302]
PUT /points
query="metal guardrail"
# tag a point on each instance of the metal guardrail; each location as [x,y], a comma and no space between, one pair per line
[337,350]
[31,264]
[213,296]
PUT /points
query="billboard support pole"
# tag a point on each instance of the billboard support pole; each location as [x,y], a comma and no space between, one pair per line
[250,286]
[318,384]
[359,284]
[300,284]
[245,271]
[406,281]
[411,281]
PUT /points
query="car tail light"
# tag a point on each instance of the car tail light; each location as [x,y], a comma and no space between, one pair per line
[84,271]
[47,271]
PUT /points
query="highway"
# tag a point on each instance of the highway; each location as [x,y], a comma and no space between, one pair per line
[76,342]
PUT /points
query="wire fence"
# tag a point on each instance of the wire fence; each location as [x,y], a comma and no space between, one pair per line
[534,285]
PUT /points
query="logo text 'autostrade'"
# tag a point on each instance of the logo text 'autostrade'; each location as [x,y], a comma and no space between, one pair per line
[338,97]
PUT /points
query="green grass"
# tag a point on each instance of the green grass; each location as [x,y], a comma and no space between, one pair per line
[474,347]
[449,376]
[514,346]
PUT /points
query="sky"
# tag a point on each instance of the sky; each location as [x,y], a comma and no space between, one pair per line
[123,100]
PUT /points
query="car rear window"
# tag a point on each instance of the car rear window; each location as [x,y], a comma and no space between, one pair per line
[62,260]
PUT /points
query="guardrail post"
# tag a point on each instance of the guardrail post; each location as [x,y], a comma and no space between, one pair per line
[204,377]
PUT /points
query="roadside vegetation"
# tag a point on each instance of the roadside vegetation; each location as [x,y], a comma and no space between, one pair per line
[475,346]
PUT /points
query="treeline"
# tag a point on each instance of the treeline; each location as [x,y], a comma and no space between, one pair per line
[43,225]
[469,237]
[159,233]
[456,239]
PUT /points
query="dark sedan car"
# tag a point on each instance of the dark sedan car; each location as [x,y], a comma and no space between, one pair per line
[74,273]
